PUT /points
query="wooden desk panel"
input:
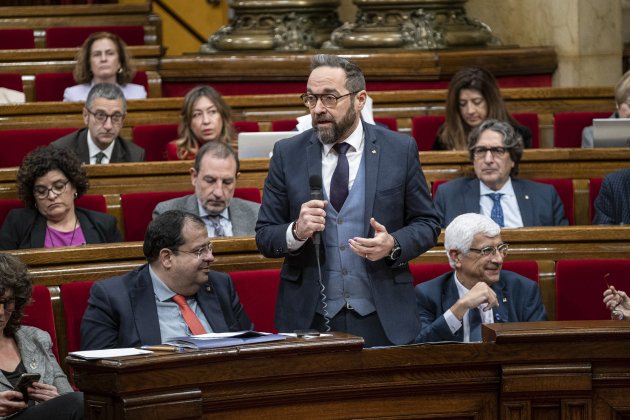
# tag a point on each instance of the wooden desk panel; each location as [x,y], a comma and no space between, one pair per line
[553,370]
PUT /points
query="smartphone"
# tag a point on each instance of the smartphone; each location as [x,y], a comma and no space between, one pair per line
[26,379]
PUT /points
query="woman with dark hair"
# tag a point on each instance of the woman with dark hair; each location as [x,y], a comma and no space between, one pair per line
[205,117]
[473,97]
[29,350]
[48,181]
[103,58]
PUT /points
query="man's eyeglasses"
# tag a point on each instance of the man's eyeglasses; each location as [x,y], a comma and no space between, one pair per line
[57,188]
[8,304]
[488,250]
[480,152]
[328,99]
[204,250]
[102,117]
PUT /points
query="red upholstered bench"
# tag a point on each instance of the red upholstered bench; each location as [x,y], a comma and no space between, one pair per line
[74,36]
[40,314]
[424,129]
[15,144]
[16,39]
[568,126]
[11,81]
[581,283]
[258,290]
[530,120]
[153,139]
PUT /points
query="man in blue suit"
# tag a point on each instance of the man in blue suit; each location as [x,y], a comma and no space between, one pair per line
[369,207]
[139,308]
[496,150]
[454,305]
[612,205]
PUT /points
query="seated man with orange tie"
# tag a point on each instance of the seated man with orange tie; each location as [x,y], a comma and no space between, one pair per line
[175,294]
[454,305]
[495,150]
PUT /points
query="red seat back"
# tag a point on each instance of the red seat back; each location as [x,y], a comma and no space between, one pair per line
[11,81]
[283,125]
[564,187]
[153,139]
[594,185]
[15,144]
[389,122]
[50,86]
[568,126]
[40,314]
[530,120]
[435,184]
[246,126]
[248,193]
[258,290]
[137,210]
[581,283]
[74,36]
[16,39]
[424,129]
[74,297]
[426,272]
[7,205]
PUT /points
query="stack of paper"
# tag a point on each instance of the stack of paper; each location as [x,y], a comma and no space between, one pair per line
[214,340]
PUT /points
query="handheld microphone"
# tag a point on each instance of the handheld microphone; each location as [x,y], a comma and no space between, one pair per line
[315,182]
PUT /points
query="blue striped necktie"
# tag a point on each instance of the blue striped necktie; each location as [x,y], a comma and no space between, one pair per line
[497,211]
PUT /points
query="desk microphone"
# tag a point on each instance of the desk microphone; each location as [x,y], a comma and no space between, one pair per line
[315,183]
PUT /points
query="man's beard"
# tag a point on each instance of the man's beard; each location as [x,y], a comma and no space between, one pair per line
[337,130]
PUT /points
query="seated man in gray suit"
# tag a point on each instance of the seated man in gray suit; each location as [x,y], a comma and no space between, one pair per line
[99,141]
[214,179]
[454,305]
[496,150]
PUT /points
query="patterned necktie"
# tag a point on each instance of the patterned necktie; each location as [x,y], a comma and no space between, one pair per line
[474,322]
[189,316]
[340,178]
[215,221]
[99,157]
[497,211]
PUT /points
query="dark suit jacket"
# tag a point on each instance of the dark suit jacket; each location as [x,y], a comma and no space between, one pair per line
[539,203]
[124,151]
[122,312]
[395,195]
[612,206]
[26,228]
[519,301]
[243,213]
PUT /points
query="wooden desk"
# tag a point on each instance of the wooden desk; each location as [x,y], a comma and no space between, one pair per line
[552,370]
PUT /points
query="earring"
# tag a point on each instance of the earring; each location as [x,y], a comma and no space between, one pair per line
[120,70]
[76,195]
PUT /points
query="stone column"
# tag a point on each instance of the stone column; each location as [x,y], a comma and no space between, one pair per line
[586,34]
[276,25]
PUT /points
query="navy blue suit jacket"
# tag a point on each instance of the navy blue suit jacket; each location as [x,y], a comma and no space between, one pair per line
[519,301]
[539,203]
[395,195]
[612,206]
[122,311]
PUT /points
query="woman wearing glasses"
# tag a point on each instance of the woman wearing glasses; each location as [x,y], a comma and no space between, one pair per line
[29,350]
[205,117]
[103,58]
[49,181]
[473,96]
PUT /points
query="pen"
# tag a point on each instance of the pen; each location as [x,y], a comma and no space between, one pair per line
[163,348]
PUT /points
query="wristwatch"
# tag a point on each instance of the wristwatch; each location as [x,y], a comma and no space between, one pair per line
[394,254]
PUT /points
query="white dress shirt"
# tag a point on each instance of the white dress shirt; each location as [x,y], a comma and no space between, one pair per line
[94,150]
[511,212]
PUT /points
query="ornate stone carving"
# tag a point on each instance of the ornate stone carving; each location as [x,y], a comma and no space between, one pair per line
[278,25]
[411,24]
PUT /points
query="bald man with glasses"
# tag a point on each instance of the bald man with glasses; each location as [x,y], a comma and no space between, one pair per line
[454,305]
[100,142]
[175,294]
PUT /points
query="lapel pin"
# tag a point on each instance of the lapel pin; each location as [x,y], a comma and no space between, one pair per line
[209,289]
[526,197]
[373,151]
[504,299]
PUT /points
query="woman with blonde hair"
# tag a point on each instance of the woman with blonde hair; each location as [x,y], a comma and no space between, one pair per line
[205,117]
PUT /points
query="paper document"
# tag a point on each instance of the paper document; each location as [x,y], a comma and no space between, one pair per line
[108,353]
[227,339]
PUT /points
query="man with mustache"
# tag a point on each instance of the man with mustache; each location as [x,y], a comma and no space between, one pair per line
[99,142]
[373,216]
[454,305]
[214,179]
[495,150]
[174,295]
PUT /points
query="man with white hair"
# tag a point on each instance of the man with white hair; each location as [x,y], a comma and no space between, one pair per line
[454,305]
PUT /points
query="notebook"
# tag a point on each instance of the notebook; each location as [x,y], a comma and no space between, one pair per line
[260,144]
[611,132]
